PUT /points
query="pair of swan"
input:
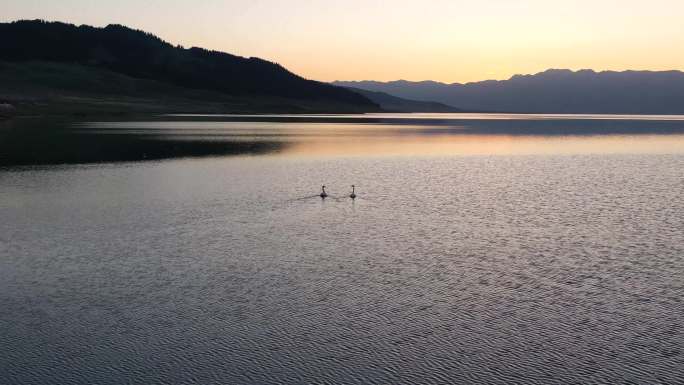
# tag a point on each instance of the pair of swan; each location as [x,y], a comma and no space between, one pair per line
[325,194]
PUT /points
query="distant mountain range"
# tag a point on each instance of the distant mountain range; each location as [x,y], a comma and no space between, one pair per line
[144,62]
[552,91]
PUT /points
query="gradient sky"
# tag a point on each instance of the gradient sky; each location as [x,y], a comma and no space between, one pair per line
[443,40]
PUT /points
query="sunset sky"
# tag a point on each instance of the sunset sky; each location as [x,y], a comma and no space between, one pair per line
[443,40]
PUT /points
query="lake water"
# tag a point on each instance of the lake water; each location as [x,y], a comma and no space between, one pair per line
[481,249]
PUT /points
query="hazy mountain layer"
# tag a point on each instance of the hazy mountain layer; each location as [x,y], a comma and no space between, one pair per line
[552,91]
[392,103]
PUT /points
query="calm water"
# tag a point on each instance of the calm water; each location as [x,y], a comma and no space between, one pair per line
[482,249]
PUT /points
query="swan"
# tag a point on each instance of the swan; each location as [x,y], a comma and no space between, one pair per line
[353,193]
[323,193]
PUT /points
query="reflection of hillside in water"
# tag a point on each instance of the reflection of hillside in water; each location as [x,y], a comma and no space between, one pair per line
[53,143]
[34,142]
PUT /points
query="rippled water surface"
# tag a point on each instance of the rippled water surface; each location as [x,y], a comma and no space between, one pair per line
[481,249]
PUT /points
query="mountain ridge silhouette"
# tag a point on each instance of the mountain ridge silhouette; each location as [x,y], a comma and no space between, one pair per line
[551,91]
[142,55]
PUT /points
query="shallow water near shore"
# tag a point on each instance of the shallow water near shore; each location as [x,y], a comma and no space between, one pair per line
[481,249]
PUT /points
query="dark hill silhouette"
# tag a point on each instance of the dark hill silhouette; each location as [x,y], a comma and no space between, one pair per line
[142,55]
[552,91]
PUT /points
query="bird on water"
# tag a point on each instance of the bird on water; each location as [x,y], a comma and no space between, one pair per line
[323,193]
[353,193]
